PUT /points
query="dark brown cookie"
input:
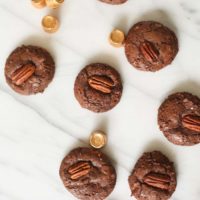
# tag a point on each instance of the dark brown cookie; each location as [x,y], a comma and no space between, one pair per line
[150,46]
[114,2]
[88,174]
[98,87]
[29,70]
[153,177]
[179,118]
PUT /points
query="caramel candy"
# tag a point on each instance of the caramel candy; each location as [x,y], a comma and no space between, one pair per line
[50,24]
[54,3]
[38,3]
[98,139]
[117,38]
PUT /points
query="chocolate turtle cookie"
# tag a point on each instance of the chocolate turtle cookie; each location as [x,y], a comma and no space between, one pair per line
[88,174]
[179,118]
[153,177]
[98,87]
[150,46]
[29,69]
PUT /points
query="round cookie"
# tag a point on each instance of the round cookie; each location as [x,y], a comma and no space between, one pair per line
[153,177]
[29,69]
[179,118]
[98,87]
[150,46]
[88,174]
[114,2]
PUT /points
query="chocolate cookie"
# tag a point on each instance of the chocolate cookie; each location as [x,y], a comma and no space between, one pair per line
[153,177]
[98,87]
[150,46]
[88,174]
[29,70]
[179,118]
[114,2]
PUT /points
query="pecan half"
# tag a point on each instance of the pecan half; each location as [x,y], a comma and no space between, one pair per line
[79,169]
[157,180]
[149,51]
[101,83]
[22,74]
[191,122]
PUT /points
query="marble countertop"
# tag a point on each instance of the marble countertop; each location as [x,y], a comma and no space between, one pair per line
[36,132]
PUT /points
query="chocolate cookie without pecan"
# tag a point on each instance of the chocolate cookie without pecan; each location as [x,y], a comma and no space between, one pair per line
[29,69]
[98,87]
[150,46]
[114,2]
[88,174]
[153,177]
[179,118]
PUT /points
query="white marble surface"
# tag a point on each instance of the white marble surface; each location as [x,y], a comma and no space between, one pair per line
[37,131]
